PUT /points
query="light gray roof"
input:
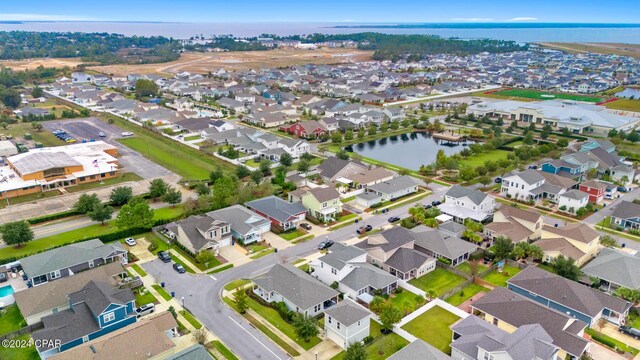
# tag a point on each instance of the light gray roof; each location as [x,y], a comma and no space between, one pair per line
[615,266]
[194,352]
[339,255]
[347,312]
[32,162]
[452,227]
[324,194]
[406,260]
[195,226]
[626,210]
[575,194]
[368,275]
[242,220]
[445,245]
[419,350]
[530,176]
[474,195]
[295,285]
[394,185]
[387,240]
[276,208]
[69,255]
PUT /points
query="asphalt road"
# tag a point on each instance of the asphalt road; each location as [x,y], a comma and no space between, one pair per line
[202,292]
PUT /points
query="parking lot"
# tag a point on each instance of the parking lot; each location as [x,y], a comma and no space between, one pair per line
[89,128]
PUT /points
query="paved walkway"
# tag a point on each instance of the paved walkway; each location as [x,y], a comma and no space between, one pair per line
[612,331]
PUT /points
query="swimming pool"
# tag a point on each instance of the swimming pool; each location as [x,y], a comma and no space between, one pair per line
[6,291]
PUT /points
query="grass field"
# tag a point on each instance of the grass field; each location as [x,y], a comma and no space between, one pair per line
[168,212]
[466,294]
[479,159]
[12,320]
[543,95]
[382,346]
[146,298]
[29,198]
[124,177]
[624,104]
[439,280]
[466,267]
[20,353]
[432,326]
[44,137]
[500,279]
[139,270]
[223,350]
[407,301]
[165,295]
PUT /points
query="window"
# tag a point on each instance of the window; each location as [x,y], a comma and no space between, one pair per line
[85,338]
[338,325]
[91,264]
[108,317]
[358,322]
[334,271]
[54,274]
[495,321]
[329,318]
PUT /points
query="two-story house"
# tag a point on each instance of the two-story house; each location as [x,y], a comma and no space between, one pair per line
[534,185]
[346,323]
[200,232]
[626,215]
[515,223]
[578,241]
[71,259]
[322,203]
[283,215]
[246,226]
[467,203]
[596,190]
[573,200]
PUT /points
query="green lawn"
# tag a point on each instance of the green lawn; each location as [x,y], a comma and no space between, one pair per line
[290,235]
[165,295]
[439,280]
[619,344]
[498,279]
[236,283]
[479,159]
[221,269]
[17,353]
[191,319]
[624,104]
[178,261]
[272,316]
[11,320]
[223,350]
[263,253]
[192,137]
[466,294]
[466,267]
[139,270]
[146,298]
[124,177]
[211,264]
[407,301]
[382,346]
[28,198]
[432,326]
[168,212]
[633,319]
[161,245]
[44,137]
[544,95]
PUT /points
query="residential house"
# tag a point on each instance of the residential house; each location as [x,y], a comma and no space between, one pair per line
[71,259]
[467,203]
[309,129]
[333,168]
[510,311]
[283,215]
[449,249]
[595,189]
[299,291]
[95,310]
[322,203]
[569,297]
[626,215]
[615,268]
[573,200]
[533,185]
[387,191]
[200,233]
[247,227]
[150,338]
[578,241]
[49,298]
[419,349]
[515,223]
[346,323]
[474,338]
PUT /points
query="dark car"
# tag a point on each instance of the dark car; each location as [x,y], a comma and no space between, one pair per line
[533,167]
[436,202]
[179,268]
[428,206]
[497,180]
[164,256]
[622,189]
[364,229]
[305,226]
[394,219]
[630,331]
[325,244]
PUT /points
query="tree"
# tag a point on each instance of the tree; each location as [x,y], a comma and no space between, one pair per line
[37,92]
[240,300]
[202,189]
[528,139]
[100,212]
[265,167]
[306,326]
[286,160]
[342,154]
[432,223]
[242,172]
[173,196]
[157,188]
[16,233]
[303,166]
[145,87]
[257,177]
[135,214]
[377,304]
[225,190]
[502,248]
[608,241]
[355,351]
[10,98]
[361,133]
[204,256]
[348,135]
[566,267]
[336,137]
[216,174]
[199,336]
[389,316]
[633,136]
[86,203]
[484,180]
[372,129]
[121,195]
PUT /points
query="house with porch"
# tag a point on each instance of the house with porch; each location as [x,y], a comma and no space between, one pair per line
[283,215]
[200,232]
[299,291]
[71,259]
[572,298]
[615,268]
[573,200]
[534,185]
[467,203]
[442,246]
[246,226]
[514,223]
[388,190]
[626,215]
[323,203]
[578,241]
[346,323]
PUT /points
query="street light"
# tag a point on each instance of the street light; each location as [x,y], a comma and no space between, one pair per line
[316,355]
[183,301]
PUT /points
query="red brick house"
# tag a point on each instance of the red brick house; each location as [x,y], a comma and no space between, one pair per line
[595,189]
[305,129]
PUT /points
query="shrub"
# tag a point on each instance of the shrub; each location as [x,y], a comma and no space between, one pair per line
[152,247]
[603,340]
[368,339]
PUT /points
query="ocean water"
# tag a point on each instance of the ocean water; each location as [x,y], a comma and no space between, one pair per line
[528,32]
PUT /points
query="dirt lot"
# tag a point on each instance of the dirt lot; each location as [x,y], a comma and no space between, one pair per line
[599,48]
[204,62]
[30,64]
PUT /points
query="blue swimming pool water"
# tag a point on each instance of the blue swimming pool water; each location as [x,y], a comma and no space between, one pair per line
[6,291]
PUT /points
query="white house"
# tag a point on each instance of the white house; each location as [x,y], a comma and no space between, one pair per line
[521,185]
[347,323]
[467,203]
[573,200]
[387,190]
[338,263]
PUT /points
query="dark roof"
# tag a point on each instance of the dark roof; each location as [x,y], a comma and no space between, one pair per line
[66,326]
[406,260]
[387,240]
[445,245]
[626,210]
[331,166]
[347,312]
[518,310]
[569,293]
[277,208]
[99,295]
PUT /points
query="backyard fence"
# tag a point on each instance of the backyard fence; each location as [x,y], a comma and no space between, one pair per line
[25,330]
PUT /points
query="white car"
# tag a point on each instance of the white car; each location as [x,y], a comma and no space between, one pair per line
[130,241]
[145,309]
[127,133]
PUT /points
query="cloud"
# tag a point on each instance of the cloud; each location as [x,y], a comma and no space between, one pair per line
[472,19]
[42,17]
[523,19]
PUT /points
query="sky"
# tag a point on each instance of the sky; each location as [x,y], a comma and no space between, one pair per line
[211,11]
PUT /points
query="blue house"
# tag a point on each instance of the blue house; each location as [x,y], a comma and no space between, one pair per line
[563,168]
[569,297]
[95,310]
[626,215]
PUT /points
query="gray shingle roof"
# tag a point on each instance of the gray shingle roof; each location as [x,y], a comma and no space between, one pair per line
[388,239]
[295,285]
[394,185]
[276,208]
[99,295]
[615,266]
[66,326]
[419,350]
[339,255]
[626,210]
[194,227]
[445,245]
[194,352]
[240,218]
[474,195]
[530,176]
[406,260]
[324,194]
[575,194]
[348,313]
[368,275]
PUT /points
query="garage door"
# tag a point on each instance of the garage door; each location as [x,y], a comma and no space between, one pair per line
[335,337]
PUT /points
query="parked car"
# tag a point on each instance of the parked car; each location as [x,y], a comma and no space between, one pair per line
[3,277]
[102,134]
[127,133]
[428,206]
[145,309]
[498,180]
[364,229]
[164,256]
[325,244]
[436,202]
[622,189]
[533,167]
[179,268]
[394,219]
[630,331]
[130,241]
[305,226]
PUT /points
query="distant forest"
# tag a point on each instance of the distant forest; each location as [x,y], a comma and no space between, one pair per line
[102,48]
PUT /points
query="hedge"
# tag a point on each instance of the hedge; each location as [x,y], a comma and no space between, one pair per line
[56,216]
[604,341]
